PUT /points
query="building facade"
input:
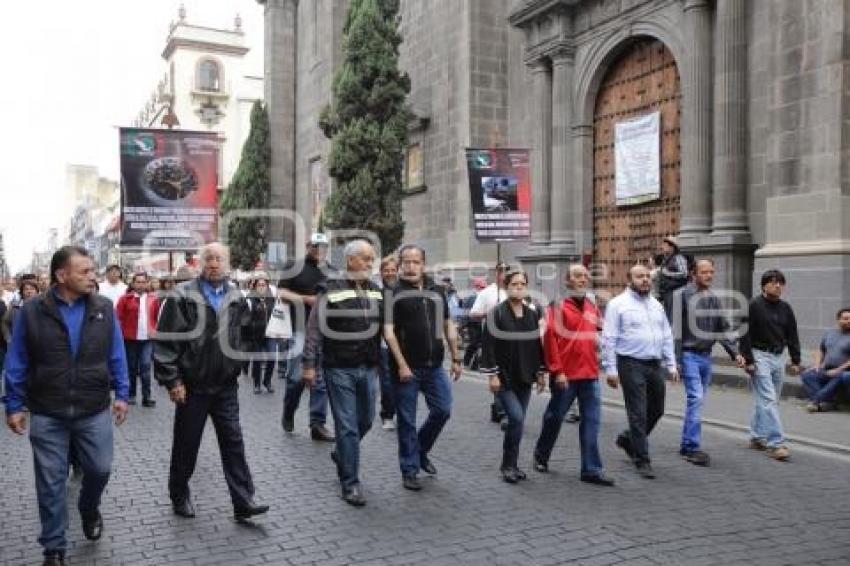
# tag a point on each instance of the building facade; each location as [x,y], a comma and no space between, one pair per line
[753,151]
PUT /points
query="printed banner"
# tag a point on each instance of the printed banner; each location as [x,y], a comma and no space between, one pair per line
[637,162]
[169,181]
[500,193]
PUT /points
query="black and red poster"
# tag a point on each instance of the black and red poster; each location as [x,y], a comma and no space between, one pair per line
[169,182]
[500,193]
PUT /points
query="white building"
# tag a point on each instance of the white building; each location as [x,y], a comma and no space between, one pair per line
[210,85]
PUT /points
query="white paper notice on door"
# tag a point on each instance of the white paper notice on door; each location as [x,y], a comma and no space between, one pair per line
[637,160]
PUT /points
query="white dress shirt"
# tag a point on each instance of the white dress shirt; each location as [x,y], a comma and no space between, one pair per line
[636,326]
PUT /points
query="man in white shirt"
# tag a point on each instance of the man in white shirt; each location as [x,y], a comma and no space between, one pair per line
[637,352]
[113,287]
[486,301]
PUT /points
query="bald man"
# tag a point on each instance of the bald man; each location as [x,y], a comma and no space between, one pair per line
[638,352]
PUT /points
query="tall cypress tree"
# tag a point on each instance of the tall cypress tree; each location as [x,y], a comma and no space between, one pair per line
[250,188]
[367,123]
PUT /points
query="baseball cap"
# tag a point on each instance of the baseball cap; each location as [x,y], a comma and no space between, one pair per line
[318,239]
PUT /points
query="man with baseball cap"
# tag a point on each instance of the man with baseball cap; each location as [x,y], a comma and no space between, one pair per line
[673,274]
[299,289]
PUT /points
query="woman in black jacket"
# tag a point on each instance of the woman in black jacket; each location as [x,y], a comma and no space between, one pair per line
[261,303]
[513,357]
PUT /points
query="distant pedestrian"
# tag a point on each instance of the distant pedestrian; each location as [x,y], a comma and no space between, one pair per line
[513,359]
[672,272]
[473,326]
[261,302]
[832,367]
[114,287]
[415,334]
[389,279]
[201,378]
[571,345]
[137,311]
[344,335]
[699,323]
[66,354]
[771,327]
[28,290]
[638,352]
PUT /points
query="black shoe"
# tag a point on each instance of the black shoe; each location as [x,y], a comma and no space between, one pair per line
[411,482]
[520,475]
[184,508]
[626,444]
[93,525]
[598,480]
[426,466]
[509,475]
[131,401]
[54,559]
[572,417]
[354,496]
[245,513]
[288,424]
[645,471]
[269,388]
[321,434]
[148,403]
[335,458]
[696,457]
[257,390]
[540,465]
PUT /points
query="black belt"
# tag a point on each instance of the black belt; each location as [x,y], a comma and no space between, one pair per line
[695,351]
[650,362]
[776,350]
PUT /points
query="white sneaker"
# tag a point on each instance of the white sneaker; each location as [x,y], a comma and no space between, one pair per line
[387,424]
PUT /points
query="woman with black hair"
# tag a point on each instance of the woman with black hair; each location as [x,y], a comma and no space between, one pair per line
[261,302]
[513,358]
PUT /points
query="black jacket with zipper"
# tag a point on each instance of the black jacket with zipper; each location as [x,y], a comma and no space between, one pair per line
[418,317]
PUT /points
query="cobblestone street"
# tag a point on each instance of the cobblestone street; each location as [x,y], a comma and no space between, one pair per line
[746,508]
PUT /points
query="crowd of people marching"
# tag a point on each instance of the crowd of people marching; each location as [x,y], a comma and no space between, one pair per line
[78,352]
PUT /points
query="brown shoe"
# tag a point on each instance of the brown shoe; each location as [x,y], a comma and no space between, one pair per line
[758,444]
[778,453]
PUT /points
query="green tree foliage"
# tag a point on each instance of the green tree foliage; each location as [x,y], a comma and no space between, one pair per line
[367,123]
[250,188]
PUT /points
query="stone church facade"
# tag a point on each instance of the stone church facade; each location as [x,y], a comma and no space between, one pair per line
[754,98]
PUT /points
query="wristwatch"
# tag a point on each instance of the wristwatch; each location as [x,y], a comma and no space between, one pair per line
[457,360]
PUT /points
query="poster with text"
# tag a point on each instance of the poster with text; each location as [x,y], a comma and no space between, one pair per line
[637,159]
[500,193]
[169,181]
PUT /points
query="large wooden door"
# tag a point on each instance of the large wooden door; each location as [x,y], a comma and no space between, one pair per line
[644,79]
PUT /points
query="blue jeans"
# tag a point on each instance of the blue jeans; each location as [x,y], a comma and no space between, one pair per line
[352,396]
[696,373]
[767,387]
[434,385]
[387,396]
[139,365]
[263,368]
[51,439]
[290,367]
[590,406]
[515,403]
[821,387]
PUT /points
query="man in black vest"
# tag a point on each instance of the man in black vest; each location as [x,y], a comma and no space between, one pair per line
[200,374]
[66,354]
[344,332]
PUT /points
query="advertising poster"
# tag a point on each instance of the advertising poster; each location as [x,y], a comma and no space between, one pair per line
[500,193]
[169,181]
[637,159]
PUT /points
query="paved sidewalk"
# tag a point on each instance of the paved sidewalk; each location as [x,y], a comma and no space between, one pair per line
[745,509]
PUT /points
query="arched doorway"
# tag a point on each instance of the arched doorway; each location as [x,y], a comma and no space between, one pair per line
[642,79]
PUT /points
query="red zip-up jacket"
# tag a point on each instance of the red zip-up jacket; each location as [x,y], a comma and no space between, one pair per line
[127,311]
[571,338]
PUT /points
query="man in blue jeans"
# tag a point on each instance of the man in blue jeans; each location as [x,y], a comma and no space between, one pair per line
[832,367]
[420,320]
[771,327]
[69,330]
[698,317]
[344,335]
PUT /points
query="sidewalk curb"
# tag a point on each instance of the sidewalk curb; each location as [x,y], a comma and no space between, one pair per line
[716,423]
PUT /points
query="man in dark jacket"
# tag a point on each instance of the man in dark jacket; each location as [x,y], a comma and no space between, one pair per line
[344,335]
[200,370]
[66,354]
[415,333]
[673,272]
[699,322]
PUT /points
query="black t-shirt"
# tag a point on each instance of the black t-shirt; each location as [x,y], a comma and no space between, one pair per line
[415,319]
[305,283]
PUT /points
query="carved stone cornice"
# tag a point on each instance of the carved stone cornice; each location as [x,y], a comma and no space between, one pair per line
[531,10]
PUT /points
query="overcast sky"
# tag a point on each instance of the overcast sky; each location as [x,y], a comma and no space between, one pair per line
[72,72]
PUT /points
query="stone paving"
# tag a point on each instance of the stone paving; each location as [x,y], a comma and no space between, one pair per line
[744,509]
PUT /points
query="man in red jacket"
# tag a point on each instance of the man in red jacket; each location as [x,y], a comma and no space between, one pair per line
[570,345]
[137,312]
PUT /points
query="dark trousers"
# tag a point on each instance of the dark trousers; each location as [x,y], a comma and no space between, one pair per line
[473,330]
[386,382]
[189,421]
[515,402]
[643,391]
[139,355]
[263,367]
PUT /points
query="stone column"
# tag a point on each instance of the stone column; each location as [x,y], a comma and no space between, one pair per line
[541,152]
[696,120]
[564,197]
[730,109]
[280,70]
